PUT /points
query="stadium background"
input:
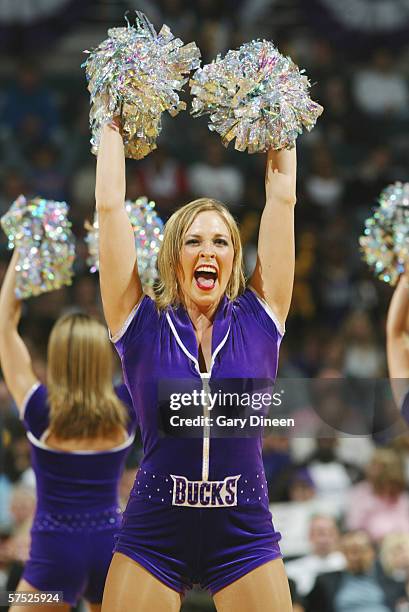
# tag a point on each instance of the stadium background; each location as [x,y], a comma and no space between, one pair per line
[358,61]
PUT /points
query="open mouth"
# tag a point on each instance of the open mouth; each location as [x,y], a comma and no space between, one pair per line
[206,277]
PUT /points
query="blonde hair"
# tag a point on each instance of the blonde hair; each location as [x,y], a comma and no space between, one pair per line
[385,472]
[82,400]
[388,549]
[169,255]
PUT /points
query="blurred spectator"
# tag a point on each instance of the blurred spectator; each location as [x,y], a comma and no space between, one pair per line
[394,557]
[278,466]
[359,587]
[22,506]
[379,504]
[46,176]
[323,185]
[401,445]
[214,178]
[330,475]
[324,555]
[30,107]
[83,190]
[322,58]
[16,548]
[17,455]
[293,518]
[213,27]
[363,357]
[371,176]
[342,125]
[380,89]
[301,486]
[163,179]
[303,303]
[335,282]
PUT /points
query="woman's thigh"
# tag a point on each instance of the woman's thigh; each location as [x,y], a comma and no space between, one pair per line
[128,582]
[264,589]
[24,586]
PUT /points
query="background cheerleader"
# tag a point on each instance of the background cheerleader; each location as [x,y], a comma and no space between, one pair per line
[80,430]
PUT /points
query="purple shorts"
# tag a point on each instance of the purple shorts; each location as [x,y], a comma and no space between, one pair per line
[74,563]
[182,546]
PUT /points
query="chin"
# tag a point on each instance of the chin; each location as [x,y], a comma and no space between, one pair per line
[206,298]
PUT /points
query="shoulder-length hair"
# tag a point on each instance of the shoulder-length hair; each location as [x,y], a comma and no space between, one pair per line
[82,400]
[168,292]
[385,472]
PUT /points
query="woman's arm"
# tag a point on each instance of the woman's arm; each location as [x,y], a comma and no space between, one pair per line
[14,357]
[397,339]
[273,276]
[118,273]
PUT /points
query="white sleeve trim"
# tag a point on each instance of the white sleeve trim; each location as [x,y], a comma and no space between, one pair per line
[27,398]
[267,308]
[115,337]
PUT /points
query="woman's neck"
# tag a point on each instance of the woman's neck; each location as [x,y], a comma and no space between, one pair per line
[201,317]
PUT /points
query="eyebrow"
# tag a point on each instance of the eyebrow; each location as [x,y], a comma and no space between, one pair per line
[200,236]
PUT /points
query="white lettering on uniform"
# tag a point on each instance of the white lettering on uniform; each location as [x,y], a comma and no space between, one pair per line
[204,493]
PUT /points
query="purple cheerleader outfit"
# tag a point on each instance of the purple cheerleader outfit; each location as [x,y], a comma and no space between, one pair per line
[198,511]
[77,511]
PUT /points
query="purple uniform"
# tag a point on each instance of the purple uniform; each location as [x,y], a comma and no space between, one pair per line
[77,509]
[198,511]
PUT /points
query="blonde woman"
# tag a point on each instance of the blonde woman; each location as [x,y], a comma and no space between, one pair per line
[80,430]
[380,504]
[198,511]
[394,556]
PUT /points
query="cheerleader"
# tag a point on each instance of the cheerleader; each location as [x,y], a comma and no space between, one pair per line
[80,430]
[198,511]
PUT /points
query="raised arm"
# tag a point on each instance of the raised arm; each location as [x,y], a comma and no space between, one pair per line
[118,273]
[397,339]
[14,357]
[273,276]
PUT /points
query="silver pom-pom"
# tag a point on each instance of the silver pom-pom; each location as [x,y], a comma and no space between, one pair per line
[148,230]
[41,233]
[137,74]
[385,242]
[256,96]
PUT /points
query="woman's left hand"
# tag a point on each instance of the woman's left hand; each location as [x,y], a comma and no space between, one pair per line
[281,171]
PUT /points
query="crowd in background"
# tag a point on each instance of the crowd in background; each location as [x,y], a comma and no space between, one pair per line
[319,486]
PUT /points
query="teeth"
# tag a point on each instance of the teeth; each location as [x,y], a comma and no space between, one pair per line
[206,269]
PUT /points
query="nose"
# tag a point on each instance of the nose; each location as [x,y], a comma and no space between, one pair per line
[207,250]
